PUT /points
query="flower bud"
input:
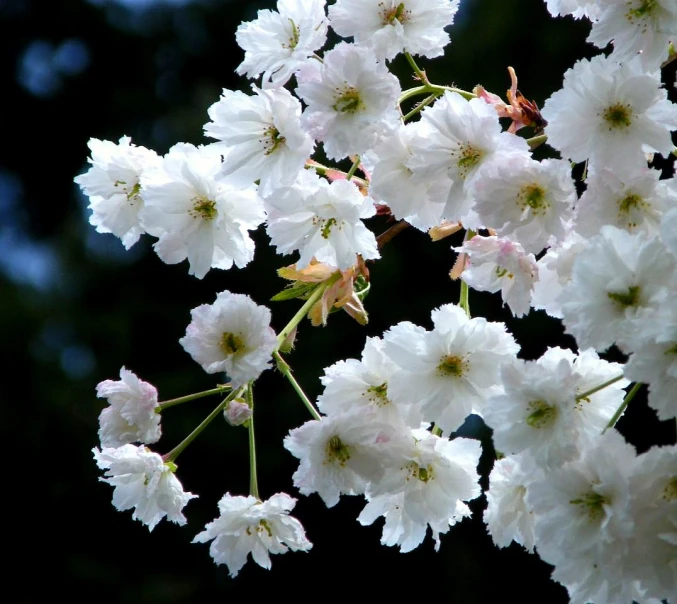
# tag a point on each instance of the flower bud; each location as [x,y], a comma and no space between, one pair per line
[237,412]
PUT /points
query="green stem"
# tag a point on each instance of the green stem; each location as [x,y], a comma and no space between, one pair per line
[191,397]
[285,369]
[437,431]
[322,170]
[464,296]
[420,74]
[253,482]
[434,90]
[536,141]
[628,397]
[353,168]
[600,387]
[303,311]
[176,451]
[424,103]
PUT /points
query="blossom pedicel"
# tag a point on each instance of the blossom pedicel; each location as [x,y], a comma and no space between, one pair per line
[565,483]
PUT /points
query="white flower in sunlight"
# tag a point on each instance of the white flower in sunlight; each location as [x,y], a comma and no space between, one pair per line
[232,335]
[610,114]
[143,481]
[637,27]
[429,487]
[113,187]
[388,27]
[196,217]
[322,220]
[260,137]
[278,43]
[131,415]
[249,526]
[497,263]
[352,101]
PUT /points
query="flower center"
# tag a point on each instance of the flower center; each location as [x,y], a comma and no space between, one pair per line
[295,35]
[336,451]
[379,394]
[670,490]
[533,196]
[274,140]
[452,365]
[349,101]
[131,193]
[645,9]
[231,343]
[540,414]
[631,204]
[618,116]
[467,157]
[424,474]
[203,208]
[398,13]
[592,505]
[628,298]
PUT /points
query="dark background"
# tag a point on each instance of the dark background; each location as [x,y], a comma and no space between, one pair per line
[75,307]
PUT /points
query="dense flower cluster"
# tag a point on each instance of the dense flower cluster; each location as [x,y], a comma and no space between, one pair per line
[566,484]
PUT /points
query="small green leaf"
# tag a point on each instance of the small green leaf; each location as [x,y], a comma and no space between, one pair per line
[296,290]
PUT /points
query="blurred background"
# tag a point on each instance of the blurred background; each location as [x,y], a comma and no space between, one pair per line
[75,307]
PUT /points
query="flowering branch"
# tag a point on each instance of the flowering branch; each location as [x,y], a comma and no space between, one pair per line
[303,311]
[176,451]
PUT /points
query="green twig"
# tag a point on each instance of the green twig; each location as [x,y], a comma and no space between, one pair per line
[253,481]
[285,369]
[600,387]
[176,451]
[628,397]
[303,311]
[191,397]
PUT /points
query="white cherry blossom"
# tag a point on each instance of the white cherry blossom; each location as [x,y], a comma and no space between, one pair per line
[194,216]
[260,137]
[322,220]
[388,27]
[246,526]
[277,43]
[143,481]
[113,187]
[232,335]
[131,413]
[352,101]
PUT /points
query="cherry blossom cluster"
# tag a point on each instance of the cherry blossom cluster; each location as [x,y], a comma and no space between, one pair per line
[599,254]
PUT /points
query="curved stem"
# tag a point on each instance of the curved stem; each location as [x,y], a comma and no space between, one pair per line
[600,387]
[253,481]
[303,311]
[176,451]
[191,397]
[285,369]
[424,103]
[420,74]
[628,397]
[333,173]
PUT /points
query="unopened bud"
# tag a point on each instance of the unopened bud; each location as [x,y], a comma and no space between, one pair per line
[237,412]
